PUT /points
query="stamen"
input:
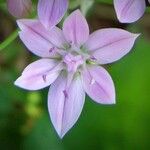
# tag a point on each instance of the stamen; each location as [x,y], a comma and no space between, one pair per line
[44,78]
[52,49]
[70,42]
[93,58]
[73,62]
[65,94]
[92,81]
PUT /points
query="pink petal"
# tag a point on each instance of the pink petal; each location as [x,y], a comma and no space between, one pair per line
[65,105]
[39,74]
[50,12]
[109,45]
[19,8]
[76,29]
[39,40]
[129,10]
[99,85]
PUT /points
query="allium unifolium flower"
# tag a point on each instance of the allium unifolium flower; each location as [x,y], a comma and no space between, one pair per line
[50,12]
[71,61]
[129,11]
[19,8]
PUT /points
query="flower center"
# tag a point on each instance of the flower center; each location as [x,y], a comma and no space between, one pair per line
[73,62]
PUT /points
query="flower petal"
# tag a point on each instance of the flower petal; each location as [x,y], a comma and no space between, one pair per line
[64,105]
[109,45]
[39,40]
[76,29]
[129,10]
[39,74]
[19,8]
[50,12]
[99,85]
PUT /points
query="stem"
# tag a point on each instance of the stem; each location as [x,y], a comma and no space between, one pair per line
[9,40]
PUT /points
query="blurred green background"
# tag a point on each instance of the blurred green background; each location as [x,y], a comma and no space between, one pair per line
[24,118]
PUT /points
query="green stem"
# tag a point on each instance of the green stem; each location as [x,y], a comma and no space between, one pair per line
[9,40]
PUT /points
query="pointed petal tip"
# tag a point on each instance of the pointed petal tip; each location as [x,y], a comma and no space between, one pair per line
[112,98]
[111,101]
[19,33]
[17,21]
[77,11]
[51,12]
[76,29]
[17,82]
[108,102]
[136,35]
[59,131]
[62,112]
[20,22]
[114,101]
[61,135]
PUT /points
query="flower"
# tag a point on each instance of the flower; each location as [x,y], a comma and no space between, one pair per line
[71,62]
[50,12]
[129,11]
[19,8]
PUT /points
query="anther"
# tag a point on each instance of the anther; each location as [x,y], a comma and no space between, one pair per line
[65,94]
[44,78]
[92,81]
[52,49]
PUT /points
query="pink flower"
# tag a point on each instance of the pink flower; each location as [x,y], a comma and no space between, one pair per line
[19,8]
[72,63]
[50,12]
[129,11]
